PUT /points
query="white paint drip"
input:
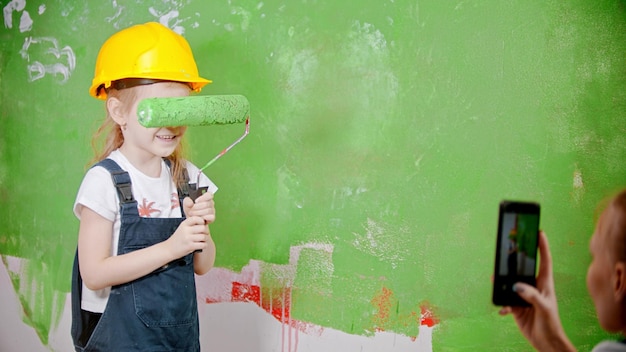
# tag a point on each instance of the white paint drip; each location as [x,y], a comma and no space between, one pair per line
[578,186]
[166,12]
[41,66]
[118,12]
[578,179]
[26,23]
[169,19]
[12,6]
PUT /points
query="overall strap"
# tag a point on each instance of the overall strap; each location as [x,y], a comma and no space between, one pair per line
[121,180]
[181,185]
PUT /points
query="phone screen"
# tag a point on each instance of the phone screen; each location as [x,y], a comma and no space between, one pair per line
[516,250]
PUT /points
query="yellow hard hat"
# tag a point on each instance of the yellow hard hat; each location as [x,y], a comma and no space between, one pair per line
[146,53]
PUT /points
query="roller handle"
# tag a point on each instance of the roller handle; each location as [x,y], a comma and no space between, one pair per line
[194,193]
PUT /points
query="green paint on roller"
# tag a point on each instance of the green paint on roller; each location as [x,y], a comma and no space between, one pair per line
[199,110]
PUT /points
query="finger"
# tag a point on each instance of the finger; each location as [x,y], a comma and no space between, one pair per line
[545,264]
[199,238]
[528,293]
[194,221]
[207,196]
[518,312]
[201,228]
[209,219]
[207,215]
[205,211]
[188,202]
[203,208]
[505,310]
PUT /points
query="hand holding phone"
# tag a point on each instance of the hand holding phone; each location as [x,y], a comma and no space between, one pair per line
[516,250]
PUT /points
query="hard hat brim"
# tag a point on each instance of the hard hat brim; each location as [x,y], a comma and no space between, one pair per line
[98,88]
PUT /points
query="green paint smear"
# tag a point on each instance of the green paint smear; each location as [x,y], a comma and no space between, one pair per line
[42,304]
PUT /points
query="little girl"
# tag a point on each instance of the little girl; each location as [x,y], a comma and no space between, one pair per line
[141,238]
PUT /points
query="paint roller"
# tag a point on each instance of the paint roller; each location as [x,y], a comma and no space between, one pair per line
[197,110]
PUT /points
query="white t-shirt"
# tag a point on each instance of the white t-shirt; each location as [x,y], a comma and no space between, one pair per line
[156,197]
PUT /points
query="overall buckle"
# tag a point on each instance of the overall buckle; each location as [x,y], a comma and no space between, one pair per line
[121,179]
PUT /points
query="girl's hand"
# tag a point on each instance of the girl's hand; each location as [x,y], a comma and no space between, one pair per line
[203,207]
[192,234]
[540,323]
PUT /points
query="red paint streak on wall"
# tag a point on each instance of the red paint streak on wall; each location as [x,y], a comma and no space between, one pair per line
[427,317]
[382,301]
[278,304]
[245,293]
[385,300]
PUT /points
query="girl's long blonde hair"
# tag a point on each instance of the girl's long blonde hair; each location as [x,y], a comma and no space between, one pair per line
[108,137]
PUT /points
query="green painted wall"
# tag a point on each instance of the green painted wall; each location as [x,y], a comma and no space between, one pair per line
[389,129]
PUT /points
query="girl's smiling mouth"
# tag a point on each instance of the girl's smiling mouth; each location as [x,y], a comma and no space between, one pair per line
[167,137]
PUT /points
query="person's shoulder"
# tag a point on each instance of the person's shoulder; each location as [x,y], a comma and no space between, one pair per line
[97,171]
[115,156]
[121,160]
[610,346]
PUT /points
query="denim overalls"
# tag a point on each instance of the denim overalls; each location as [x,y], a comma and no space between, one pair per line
[157,312]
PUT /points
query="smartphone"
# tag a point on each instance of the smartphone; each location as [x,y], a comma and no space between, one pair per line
[516,250]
